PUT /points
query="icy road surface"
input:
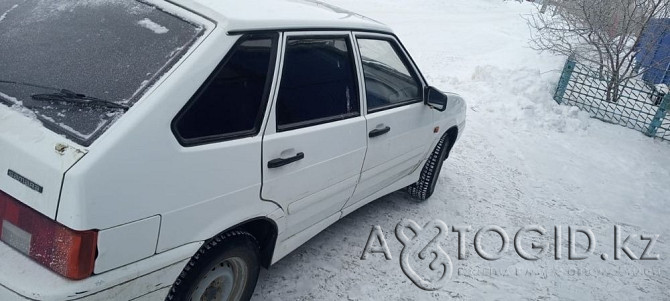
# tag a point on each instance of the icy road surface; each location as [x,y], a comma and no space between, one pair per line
[523,161]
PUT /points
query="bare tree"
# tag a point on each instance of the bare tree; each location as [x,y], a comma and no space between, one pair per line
[605,33]
[545,6]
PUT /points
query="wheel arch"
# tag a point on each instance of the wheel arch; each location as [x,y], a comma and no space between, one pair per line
[452,135]
[264,230]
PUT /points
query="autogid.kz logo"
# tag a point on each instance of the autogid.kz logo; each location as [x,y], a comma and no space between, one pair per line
[441,263]
[422,246]
[413,246]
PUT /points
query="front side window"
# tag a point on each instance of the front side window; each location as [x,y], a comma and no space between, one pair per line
[388,80]
[77,66]
[318,83]
[232,101]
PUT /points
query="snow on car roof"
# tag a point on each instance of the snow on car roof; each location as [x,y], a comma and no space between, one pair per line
[253,15]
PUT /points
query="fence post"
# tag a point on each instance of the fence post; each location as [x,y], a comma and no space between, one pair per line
[565,79]
[662,111]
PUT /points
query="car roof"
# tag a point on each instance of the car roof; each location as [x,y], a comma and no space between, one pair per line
[256,15]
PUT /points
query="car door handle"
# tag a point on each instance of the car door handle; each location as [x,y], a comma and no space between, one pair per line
[379,132]
[279,162]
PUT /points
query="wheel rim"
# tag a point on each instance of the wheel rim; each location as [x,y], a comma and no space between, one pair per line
[225,281]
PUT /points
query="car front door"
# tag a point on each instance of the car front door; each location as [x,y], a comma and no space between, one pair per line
[399,125]
[314,144]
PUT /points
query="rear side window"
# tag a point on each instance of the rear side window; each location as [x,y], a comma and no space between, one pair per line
[318,83]
[231,103]
[388,79]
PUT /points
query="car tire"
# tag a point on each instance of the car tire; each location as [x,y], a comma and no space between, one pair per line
[424,188]
[227,265]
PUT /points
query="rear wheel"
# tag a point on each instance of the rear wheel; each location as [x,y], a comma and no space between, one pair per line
[424,188]
[224,269]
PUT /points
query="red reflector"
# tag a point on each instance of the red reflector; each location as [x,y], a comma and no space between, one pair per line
[67,252]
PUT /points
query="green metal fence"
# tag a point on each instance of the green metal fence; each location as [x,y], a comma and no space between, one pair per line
[639,106]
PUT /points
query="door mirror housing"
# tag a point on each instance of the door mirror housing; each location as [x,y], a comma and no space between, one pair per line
[435,99]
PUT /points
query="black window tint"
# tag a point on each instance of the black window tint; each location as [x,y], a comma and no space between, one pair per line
[231,103]
[388,80]
[318,83]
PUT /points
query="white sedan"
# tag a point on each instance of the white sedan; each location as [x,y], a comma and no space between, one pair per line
[168,150]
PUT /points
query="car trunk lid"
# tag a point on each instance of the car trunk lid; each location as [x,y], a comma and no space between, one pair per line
[33,160]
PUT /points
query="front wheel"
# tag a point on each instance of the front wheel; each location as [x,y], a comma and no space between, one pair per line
[225,269]
[424,188]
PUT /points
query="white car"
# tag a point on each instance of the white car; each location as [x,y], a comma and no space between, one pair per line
[157,150]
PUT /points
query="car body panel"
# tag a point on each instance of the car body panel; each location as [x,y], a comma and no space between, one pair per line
[317,186]
[397,153]
[143,234]
[17,281]
[137,178]
[33,161]
[264,15]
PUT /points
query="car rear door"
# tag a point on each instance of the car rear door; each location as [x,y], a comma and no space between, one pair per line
[399,125]
[314,143]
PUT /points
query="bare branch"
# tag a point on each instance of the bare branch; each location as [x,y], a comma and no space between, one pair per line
[607,34]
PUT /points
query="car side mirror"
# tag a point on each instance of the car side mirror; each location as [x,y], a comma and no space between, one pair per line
[436,99]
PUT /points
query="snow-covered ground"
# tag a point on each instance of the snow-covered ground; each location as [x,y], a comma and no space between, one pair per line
[523,161]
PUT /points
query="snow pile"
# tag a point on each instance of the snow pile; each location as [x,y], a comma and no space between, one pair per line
[153,26]
[527,100]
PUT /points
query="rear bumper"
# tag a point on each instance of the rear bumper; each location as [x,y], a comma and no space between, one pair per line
[23,279]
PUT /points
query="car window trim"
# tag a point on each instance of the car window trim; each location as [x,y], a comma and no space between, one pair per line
[406,59]
[299,30]
[190,142]
[395,105]
[315,122]
[308,123]
[357,32]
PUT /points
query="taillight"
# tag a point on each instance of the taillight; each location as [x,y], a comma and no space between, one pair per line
[65,251]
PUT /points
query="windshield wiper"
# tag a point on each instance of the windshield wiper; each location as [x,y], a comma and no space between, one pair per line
[65,95]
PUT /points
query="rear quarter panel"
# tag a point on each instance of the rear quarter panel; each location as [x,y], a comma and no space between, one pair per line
[137,169]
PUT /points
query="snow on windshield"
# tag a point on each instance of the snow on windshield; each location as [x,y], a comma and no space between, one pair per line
[45,9]
[4,15]
[111,50]
[153,26]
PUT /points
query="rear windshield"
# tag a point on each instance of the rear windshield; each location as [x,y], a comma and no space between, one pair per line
[77,66]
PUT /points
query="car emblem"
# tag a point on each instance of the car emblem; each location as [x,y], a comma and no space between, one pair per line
[23,180]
